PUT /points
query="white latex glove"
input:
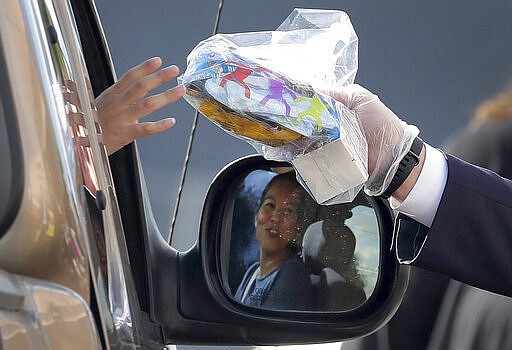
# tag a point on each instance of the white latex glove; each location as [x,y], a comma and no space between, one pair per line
[389,138]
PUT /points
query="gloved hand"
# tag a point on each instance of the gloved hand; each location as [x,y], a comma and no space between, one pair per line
[389,138]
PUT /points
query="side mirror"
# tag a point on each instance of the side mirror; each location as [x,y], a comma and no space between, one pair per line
[273,267]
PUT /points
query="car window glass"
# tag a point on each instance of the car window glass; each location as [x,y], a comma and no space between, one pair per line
[10,164]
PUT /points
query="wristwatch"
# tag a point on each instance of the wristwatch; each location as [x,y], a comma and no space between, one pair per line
[408,162]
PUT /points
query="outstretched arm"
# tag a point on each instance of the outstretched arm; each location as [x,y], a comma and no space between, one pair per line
[457,216]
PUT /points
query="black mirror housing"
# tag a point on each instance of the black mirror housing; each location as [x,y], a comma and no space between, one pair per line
[207,314]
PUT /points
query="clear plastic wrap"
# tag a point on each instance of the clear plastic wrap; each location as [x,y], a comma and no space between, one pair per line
[267,88]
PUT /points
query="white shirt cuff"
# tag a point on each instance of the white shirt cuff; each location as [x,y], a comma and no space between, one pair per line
[422,202]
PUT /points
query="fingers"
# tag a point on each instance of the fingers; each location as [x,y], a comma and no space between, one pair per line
[81,141]
[339,95]
[72,98]
[76,118]
[70,85]
[122,105]
[115,142]
[136,73]
[155,102]
[152,128]
[144,85]
[345,94]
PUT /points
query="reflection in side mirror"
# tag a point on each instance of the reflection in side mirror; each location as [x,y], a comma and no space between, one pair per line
[288,253]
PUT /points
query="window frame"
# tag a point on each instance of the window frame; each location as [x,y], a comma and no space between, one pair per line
[15,186]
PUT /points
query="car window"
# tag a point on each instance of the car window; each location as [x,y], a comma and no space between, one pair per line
[11,180]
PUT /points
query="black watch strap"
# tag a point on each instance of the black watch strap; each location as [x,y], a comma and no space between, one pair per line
[408,162]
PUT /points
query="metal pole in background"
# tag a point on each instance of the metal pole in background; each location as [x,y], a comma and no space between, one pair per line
[190,143]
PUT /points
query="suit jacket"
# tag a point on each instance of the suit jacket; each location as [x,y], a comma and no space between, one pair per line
[471,236]
[471,318]
[464,317]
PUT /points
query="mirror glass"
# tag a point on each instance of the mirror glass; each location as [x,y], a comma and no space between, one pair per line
[283,251]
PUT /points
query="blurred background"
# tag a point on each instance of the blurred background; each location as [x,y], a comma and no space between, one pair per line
[431,62]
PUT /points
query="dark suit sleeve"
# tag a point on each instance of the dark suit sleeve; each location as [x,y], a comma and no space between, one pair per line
[471,236]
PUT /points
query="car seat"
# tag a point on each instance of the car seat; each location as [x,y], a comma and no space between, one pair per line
[328,251]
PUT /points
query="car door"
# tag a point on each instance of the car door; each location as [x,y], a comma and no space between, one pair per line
[62,237]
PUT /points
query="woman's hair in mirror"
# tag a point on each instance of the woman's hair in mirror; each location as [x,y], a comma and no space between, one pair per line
[306,210]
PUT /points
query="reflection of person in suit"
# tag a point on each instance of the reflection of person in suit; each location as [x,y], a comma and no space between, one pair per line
[279,280]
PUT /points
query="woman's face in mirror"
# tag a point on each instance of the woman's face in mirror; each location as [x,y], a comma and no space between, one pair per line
[277,217]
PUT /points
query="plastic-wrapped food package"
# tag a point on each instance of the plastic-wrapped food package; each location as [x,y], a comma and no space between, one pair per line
[267,88]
